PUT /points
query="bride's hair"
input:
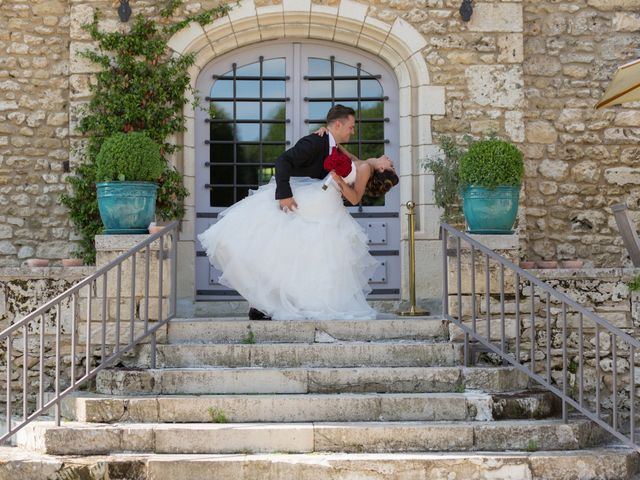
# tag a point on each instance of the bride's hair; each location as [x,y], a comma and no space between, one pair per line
[380,183]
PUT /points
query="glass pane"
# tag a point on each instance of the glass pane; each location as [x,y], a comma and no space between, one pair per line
[346,88]
[221,153]
[273,111]
[273,89]
[247,88]
[319,89]
[221,197]
[222,88]
[266,173]
[248,153]
[248,111]
[372,201]
[220,131]
[319,66]
[222,174]
[315,126]
[318,110]
[253,70]
[371,131]
[343,69]
[372,150]
[221,110]
[247,132]
[351,148]
[273,132]
[248,175]
[372,110]
[353,105]
[243,192]
[274,67]
[270,153]
[370,88]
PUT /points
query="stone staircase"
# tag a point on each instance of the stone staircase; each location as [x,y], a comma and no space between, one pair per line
[383,399]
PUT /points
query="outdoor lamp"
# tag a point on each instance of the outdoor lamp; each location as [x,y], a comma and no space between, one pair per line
[466,10]
[124,10]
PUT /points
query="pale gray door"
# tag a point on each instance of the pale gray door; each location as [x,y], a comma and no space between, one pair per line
[260,101]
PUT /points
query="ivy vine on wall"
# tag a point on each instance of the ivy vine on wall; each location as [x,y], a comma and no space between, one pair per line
[140,87]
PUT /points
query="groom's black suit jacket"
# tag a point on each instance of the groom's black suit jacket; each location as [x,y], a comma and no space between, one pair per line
[304,159]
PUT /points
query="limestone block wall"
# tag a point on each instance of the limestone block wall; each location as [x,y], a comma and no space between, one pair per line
[600,290]
[34,129]
[579,161]
[22,290]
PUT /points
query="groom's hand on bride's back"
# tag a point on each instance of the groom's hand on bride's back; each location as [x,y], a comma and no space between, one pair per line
[288,204]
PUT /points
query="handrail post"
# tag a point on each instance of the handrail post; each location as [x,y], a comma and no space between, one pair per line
[413,310]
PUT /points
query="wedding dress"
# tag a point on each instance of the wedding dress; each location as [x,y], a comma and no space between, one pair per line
[313,263]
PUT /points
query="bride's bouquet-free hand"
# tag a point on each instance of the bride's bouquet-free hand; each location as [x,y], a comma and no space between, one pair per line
[338,162]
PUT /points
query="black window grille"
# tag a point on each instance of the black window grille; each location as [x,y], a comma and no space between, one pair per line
[247,128]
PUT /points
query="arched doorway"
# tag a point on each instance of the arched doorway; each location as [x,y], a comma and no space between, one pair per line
[260,100]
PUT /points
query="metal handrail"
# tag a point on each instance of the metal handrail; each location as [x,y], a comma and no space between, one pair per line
[54,307]
[560,388]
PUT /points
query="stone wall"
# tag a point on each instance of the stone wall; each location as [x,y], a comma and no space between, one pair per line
[34,121]
[529,70]
[579,160]
[603,291]
[22,290]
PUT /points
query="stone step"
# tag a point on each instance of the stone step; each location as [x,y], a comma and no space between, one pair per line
[351,354]
[347,407]
[309,380]
[76,438]
[598,463]
[240,330]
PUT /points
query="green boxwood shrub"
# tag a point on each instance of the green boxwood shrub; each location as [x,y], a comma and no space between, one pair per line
[133,157]
[491,163]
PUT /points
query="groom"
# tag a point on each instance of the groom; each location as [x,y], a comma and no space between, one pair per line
[306,159]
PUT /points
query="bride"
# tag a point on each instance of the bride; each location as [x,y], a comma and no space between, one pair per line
[291,248]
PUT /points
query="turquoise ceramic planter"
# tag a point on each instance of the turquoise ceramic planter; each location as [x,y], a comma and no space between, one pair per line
[490,210]
[126,207]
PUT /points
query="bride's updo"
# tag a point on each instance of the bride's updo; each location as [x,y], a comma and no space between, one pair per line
[380,183]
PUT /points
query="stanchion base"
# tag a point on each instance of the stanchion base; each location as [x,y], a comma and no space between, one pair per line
[414,312]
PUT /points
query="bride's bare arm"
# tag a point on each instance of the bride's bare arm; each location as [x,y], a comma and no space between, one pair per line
[354,194]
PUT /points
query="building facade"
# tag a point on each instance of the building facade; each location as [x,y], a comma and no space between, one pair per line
[529,70]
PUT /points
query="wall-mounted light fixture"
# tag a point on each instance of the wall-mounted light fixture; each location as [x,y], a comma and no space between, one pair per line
[124,10]
[466,10]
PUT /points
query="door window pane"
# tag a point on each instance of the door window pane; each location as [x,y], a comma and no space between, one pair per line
[372,131]
[320,88]
[319,110]
[270,153]
[248,175]
[247,132]
[248,111]
[220,131]
[251,70]
[372,110]
[222,174]
[340,69]
[273,132]
[221,153]
[315,126]
[319,66]
[273,89]
[221,196]
[266,173]
[372,150]
[248,153]
[274,67]
[221,110]
[370,88]
[346,88]
[222,88]
[247,88]
[273,111]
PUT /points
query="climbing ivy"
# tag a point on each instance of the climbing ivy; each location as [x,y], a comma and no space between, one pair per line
[140,87]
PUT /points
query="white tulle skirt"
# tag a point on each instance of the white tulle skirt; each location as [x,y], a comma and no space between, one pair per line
[310,264]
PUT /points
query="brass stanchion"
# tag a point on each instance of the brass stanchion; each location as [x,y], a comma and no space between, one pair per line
[413,311]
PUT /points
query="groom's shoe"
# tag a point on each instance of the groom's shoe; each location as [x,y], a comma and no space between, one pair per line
[255,314]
